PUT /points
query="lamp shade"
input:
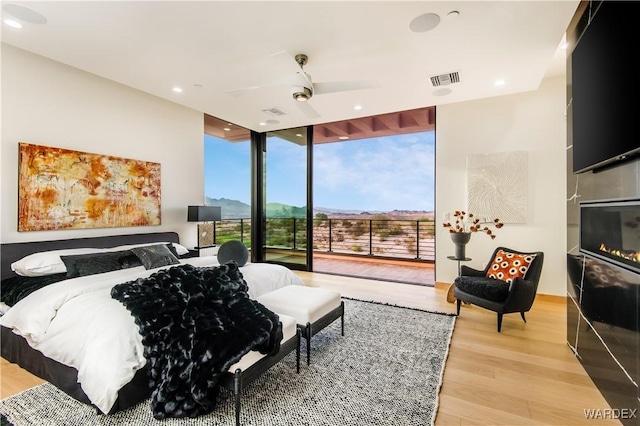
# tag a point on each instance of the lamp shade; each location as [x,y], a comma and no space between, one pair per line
[204,213]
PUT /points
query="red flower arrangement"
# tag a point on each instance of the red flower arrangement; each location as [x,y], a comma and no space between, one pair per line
[467,222]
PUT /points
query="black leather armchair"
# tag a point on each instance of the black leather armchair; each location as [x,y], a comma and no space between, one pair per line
[473,286]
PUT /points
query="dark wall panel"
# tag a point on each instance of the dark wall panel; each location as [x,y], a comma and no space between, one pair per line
[602,320]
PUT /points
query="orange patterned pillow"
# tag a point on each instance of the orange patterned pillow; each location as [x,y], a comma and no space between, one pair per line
[507,266]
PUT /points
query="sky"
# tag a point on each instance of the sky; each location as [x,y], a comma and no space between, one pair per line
[376,174]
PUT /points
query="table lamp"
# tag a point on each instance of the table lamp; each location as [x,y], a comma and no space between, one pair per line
[208,215]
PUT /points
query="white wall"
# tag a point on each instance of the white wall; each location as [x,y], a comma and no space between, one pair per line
[533,122]
[48,103]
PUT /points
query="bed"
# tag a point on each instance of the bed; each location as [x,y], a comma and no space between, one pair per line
[77,379]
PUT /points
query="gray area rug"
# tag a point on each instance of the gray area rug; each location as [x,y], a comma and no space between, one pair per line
[386,370]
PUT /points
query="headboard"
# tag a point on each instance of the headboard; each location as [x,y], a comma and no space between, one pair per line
[11,252]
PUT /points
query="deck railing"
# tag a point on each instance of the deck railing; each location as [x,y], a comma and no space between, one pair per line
[388,238]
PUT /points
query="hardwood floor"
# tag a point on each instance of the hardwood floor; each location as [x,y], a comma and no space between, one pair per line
[524,375]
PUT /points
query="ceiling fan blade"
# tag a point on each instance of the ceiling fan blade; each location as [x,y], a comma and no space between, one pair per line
[298,79]
[241,91]
[285,59]
[308,110]
[343,86]
[297,76]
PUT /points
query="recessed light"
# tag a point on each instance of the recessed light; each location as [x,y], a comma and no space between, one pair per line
[357,107]
[499,82]
[424,23]
[343,138]
[177,89]
[299,135]
[226,129]
[262,123]
[12,23]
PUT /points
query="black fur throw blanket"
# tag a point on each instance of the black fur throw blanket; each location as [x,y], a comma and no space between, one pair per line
[195,323]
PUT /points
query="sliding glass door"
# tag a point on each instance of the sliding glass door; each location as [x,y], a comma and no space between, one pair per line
[285,198]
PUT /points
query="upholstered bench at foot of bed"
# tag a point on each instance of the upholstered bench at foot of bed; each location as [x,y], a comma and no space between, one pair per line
[313,308]
[253,364]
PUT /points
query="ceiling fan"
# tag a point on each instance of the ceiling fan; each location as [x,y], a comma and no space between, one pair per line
[301,87]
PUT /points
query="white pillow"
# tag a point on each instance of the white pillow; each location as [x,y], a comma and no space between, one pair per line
[47,262]
[181,250]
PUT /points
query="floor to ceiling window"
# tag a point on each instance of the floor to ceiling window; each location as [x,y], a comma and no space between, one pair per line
[370,195]
[286,197]
[227,178]
[374,182]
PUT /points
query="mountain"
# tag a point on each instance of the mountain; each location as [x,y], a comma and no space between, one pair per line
[234,209]
[329,211]
[283,210]
[231,209]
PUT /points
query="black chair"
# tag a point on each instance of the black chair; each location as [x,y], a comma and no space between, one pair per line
[473,286]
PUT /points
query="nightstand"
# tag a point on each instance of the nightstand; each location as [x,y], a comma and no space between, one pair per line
[201,251]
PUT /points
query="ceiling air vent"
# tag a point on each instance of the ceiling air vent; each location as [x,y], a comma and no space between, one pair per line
[445,79]
[274,112]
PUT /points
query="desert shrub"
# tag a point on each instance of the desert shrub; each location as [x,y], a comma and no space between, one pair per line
[379,222]
[358,229]
[410,244]
[321,219]
[396,229]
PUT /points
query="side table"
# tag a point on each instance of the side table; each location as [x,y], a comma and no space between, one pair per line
[450,297]
[197,252]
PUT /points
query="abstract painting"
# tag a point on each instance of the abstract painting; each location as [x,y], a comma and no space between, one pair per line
[497,186]
[65,189]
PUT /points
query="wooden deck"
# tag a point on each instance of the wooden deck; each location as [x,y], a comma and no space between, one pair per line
[402,271]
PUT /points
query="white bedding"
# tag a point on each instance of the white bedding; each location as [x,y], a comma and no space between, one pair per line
[77,323]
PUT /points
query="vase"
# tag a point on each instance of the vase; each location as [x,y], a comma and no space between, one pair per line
[460,240]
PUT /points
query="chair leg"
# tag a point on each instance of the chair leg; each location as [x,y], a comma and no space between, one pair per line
[523,318]
[458,303]
[499,322]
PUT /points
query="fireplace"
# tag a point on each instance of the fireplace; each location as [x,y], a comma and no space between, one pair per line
[610,231]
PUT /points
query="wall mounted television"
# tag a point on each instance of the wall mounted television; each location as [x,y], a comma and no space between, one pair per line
[605,87]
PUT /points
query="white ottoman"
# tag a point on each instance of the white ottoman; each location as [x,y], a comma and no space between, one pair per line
[288,332]
[313,308]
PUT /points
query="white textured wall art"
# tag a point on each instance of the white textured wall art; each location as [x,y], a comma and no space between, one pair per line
[497,186]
